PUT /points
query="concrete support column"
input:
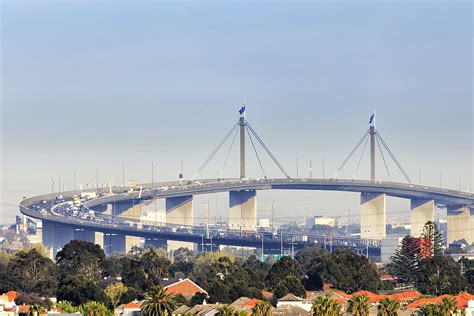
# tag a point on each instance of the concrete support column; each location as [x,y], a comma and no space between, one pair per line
[127,209]
[422,211]
[118,243]
[56,235]
[373,215]
[243,210]
[179,210]
[460,224]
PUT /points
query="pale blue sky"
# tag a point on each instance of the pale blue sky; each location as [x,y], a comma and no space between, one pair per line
[88,85]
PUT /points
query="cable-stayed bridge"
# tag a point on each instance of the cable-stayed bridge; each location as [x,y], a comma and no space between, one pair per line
[117,223]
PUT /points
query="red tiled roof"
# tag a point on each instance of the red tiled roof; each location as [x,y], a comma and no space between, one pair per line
[340,301]
[131,305]
[266,294]
[11,295]
[184,287]
[461,299]
[252,302]
[400,297]
[24,308]
[371,296]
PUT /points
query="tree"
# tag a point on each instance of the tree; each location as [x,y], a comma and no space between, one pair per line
[262,309]
[198,298]
[226,310]
[37,309]
[404,263]
[115,292]
[358,305]
[448,306]
[430,310]
[157,303]
[144,271]
[184,255]
[79,290]
[83,258]
[432,241]
[388,307]
[281,269]
[257,271]
[325,306]
[290,284]
[440,275]
[32,273]
[307,255]
[93,308]
[67,307]
[346,270]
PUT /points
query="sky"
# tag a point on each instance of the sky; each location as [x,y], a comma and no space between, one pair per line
[91,85]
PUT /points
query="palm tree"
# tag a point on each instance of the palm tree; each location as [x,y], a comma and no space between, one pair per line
[226,310]
[448,306]
[430,310]
[359,305]
[388,307]
[93,308]
[262,309]
[325,306]
[37,310]
[157,303]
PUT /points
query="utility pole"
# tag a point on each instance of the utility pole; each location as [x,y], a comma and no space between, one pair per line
[297,168]
[206,214]
[323,169]
[123,176]
[272,218]
[74,183]
[262,246]
[310,169]
[281,244]
[97,183]
[52,191]
[152,179]
[59,185]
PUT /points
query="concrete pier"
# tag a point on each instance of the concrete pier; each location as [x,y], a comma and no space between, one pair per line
[460,224]
[373,211]
[422,211]
[243,210]
[179,210]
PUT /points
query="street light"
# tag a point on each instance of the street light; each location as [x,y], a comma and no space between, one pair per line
[97,183]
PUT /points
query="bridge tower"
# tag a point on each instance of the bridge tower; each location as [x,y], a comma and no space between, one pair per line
[372,146]
[242,124]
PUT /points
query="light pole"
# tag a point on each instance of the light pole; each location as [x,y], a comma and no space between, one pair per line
[310,169]
[202,243]
[123,176]
[52,191]
[74,193]
[97,183]
[323,169]
[59,185]
[152,179]
[281,244]
[297,167]
[262,246]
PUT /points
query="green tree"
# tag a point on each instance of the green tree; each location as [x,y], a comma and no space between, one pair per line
[358,305]
[388,307]
[307,255]
[257,271]
[79,290]
[157,303]
[405,262]
[281,269]
[67,307]
[448,306]
[433,241]
[115,291]
[226,310]
[198,299]
[144,271]
[83,258]
[93,308]
[290,284]
[32,273]
[346,270]
[325,306]
[262,309]
[430,310]
[440,275]
[37,309]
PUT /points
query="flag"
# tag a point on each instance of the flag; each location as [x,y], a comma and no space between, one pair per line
[372,117]
[242,109]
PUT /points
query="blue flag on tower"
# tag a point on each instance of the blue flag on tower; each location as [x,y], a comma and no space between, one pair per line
[242,109]
[371,120]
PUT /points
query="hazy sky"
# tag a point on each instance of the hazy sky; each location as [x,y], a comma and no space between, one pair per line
[87,85]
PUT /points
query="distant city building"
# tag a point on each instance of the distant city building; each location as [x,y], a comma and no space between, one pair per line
[264,223]
[320,220]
